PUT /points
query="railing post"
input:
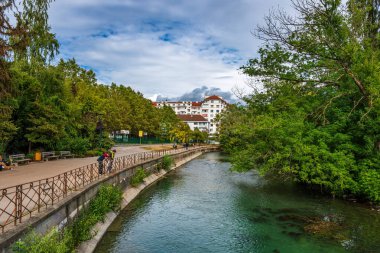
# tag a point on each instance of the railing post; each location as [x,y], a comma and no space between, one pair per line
[18,204]
[83,176]
[52,192]
[75,180]
[39,196]
[65,184]
[91,173]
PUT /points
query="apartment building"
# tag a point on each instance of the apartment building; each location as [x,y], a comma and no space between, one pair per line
[209,108]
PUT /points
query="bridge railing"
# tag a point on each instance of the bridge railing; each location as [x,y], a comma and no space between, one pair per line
[20,202]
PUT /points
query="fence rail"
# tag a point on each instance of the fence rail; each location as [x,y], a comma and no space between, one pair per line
[19,202]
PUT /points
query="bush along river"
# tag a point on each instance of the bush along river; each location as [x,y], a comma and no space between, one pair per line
[204,207]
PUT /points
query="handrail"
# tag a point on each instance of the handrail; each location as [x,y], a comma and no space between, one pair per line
[22,200]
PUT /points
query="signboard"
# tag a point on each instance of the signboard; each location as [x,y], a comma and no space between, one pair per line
[141,133]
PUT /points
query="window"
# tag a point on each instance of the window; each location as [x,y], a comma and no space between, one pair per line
[211,110]
[211,106]
[212,101]
[217,110]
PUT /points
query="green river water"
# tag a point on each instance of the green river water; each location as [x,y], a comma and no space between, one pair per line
[204,207]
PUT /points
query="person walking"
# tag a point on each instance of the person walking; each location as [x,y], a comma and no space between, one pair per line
[112,157]
[100,162]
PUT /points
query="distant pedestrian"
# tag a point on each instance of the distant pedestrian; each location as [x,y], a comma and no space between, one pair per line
[112,157]
[100,162]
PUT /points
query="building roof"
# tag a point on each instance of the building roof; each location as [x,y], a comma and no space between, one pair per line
[214,97]
[192,117]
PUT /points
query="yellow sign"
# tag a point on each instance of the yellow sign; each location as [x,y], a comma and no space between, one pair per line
[141,133]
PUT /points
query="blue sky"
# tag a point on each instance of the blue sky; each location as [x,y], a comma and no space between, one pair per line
[162,47]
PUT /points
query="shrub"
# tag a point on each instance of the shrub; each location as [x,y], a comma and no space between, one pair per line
[138,177]
[167,162]
[53,241]
[76,145]
[108,198]
[94,153]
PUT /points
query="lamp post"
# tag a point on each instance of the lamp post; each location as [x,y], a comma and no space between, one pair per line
[99,130]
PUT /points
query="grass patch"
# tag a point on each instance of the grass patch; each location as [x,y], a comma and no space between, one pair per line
[158,147]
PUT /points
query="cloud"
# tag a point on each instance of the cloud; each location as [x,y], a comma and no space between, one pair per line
[198,94]
[160,47]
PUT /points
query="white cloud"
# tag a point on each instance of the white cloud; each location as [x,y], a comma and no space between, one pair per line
[206,41]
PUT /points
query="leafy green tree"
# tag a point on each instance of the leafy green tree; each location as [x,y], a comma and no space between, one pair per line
[181,133]
[168,120]
[198,136]
[314,120]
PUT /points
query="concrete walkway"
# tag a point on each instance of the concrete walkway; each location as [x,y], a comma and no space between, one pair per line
[40,170]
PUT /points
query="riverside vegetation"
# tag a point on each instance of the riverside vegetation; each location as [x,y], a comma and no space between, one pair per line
[140,174]
[314,117]
[107,199]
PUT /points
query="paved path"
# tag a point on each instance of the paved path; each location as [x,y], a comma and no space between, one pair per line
[39,170]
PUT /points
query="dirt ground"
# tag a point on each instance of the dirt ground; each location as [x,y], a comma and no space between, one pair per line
[40,170]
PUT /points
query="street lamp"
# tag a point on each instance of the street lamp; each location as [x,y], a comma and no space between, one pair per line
[99,130]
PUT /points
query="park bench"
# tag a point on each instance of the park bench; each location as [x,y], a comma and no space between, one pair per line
[19,158]
[66,154]
[49,155]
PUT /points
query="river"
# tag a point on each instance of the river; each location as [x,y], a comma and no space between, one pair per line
[204,207]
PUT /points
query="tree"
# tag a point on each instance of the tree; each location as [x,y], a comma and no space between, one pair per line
[168,120]
[315,120]
[180,133]
[198,136]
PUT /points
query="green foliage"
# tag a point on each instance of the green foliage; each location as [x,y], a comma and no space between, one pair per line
[181,132]
[94,153]
[138,177]
[107,199]
[315,120]
[76,145]
[167,162]
[198,137]
[53,241]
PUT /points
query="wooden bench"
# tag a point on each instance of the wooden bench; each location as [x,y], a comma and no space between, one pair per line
[66,154]
[49,155]
[19,158]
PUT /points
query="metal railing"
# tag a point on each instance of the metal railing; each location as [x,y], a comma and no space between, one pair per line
[20,201]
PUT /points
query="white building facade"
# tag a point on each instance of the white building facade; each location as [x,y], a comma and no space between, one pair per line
[209,108]
[195,121]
